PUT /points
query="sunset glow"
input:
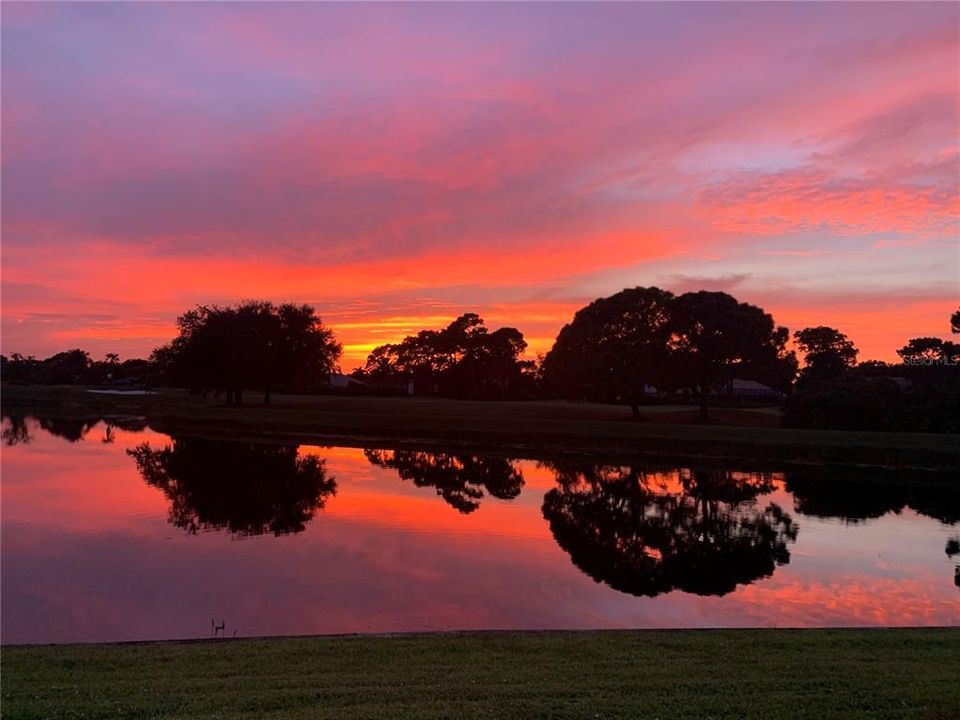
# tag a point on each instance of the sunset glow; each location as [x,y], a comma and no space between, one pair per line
[398,165]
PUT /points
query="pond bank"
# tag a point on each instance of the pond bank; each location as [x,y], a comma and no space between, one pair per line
[525,428]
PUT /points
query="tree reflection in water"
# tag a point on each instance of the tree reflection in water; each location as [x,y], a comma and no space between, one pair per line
[459,479]
[858,495]
[17,430]
[648,533]
[245,488]
[952,550]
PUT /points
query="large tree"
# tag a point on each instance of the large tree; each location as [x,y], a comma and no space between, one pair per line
[827,353]
[613,348]
[714,339]
[255,345]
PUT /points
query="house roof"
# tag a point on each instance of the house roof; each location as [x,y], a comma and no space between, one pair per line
[738,384]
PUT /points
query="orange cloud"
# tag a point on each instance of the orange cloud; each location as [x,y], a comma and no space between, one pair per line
[512,161]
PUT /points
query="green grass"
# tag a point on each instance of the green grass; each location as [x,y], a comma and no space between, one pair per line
[764,674]
[528,428]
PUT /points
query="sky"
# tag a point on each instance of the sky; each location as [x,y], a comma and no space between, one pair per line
[396,165]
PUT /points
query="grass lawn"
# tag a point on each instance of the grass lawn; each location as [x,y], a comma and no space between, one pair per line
[524,428]
[764,674]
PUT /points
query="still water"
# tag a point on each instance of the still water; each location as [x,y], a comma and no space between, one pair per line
[116,532]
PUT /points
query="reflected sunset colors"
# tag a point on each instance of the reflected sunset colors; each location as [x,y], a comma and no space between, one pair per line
[115,531]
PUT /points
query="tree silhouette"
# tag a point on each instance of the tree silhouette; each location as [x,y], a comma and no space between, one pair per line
[648,533]
[828,353]
[955,322]
[714,339]
[71,367]
[64,368]
[462,360]
[459,479]
[254,345]
[920,395]
[929,351]
[245,488]
[613,348]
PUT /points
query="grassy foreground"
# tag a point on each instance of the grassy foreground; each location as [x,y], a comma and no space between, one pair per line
[764,674]
[526,428]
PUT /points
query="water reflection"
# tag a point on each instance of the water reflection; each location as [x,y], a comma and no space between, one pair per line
[648,533]
[245,488]
[639,531]
[855,496]
[459,479]
[17,429]
[88,552]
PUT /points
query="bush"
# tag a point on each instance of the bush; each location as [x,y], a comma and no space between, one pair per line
[924,402]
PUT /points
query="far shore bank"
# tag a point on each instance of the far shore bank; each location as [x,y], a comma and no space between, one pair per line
[522,429]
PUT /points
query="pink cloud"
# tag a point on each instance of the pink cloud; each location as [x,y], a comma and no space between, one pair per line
[334,154]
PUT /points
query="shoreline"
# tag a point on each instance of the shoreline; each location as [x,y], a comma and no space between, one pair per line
[533,429]
[479,634]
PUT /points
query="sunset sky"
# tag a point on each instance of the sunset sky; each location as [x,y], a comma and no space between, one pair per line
[397,165]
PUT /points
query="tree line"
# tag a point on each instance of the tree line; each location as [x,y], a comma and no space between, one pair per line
[834,391]
[73,367]
[463,360]
[618,349]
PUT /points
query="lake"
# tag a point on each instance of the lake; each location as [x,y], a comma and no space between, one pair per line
[112,531]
